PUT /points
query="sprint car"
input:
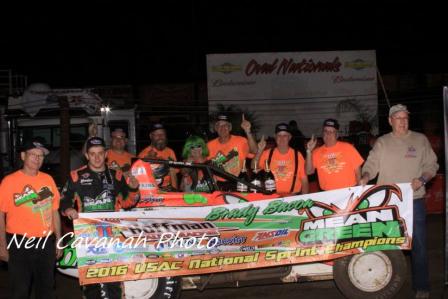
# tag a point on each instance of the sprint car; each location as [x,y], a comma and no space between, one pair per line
[370,274]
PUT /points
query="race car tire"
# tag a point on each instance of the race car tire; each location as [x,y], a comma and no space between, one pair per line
[369,275]
[155,288]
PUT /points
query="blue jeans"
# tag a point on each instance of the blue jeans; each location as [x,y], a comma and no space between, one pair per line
[419,254]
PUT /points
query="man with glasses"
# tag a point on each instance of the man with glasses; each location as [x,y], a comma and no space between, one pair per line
[338,163]
[286,163]
[405,156]
[226,142]
[30,225]
[117,156]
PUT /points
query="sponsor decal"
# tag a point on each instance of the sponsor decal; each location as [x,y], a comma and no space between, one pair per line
[152,198]
[248,248]
[235,240]
[268,235]
[96,250]
[358,64]
[105,260]
[220,83]
[85,175]
[90,262]
[226,68]
[29,194]
[411,153]
[86,182]
[103,202]
[146,186]
[138,171]
[342,79]
[155,230]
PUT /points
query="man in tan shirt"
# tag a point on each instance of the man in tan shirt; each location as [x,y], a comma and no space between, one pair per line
[403,156]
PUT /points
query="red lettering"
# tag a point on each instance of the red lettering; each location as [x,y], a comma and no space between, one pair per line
[253,67]
[104,231]
[288,66]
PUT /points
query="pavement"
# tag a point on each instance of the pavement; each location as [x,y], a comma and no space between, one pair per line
[68,288]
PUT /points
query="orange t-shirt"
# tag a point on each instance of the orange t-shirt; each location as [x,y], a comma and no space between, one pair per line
[115,160]
[282,166]
[166,154]
[336,165]
[218,150]
[29,202]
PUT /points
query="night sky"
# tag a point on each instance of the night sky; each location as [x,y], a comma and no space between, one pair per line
[80,46]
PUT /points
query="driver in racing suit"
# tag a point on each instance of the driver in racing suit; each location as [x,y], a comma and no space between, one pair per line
[96,188]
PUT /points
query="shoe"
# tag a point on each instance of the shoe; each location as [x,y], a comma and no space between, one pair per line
[422,295]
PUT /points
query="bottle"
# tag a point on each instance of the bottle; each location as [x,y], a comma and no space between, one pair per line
[256,179]
[240,187]
[269,179]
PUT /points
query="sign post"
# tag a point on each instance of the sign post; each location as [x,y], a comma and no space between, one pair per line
[445,120]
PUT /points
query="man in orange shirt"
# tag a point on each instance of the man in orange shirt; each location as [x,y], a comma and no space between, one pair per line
[286,163]
[158,149]
[30,225]
[117,156]
[338,163]
[226,142]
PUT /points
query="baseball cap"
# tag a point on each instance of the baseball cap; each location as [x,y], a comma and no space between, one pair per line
[118,133]
[282,127]
[35,144]
[95,141]
[330,122]
[222,117]
[156,126]
[397,108]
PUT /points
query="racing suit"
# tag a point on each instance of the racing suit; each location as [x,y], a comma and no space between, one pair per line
[92,191]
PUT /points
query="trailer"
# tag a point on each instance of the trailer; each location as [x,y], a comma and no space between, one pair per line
[61,119]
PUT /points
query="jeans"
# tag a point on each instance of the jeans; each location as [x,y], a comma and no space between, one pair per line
[419,254]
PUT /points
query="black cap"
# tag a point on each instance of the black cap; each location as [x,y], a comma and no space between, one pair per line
[35,144]
[156,126]
[119,133]
[330,122]
[222,117]
[95,141]
[282,127]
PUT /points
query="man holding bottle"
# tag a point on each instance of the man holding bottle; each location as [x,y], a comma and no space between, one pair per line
[286,164]
[338,163]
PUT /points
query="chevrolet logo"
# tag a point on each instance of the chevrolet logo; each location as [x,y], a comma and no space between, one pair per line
[358,64]
[226,68]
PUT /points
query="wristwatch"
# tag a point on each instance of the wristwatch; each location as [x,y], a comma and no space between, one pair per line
[423,180]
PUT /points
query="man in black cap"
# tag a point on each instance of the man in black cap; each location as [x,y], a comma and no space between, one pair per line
[285,162]
[226,142]
[158,149]
[29,202]
[97,188]
[338,163]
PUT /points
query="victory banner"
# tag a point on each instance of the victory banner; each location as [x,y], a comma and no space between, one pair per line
[190,241]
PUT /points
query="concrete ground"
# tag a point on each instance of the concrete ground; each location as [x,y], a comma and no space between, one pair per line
[68,288]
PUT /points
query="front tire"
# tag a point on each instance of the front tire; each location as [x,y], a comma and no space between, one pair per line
[371,275]
[154,288]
